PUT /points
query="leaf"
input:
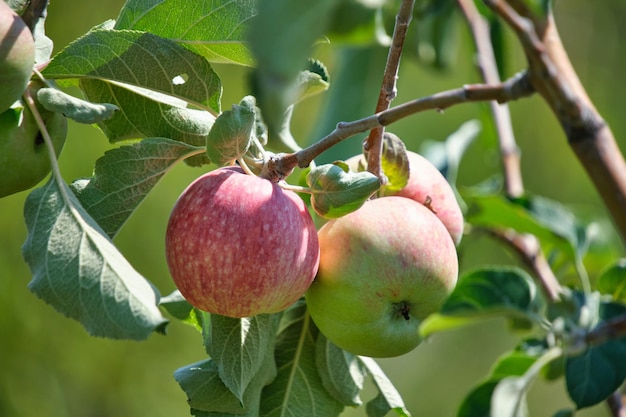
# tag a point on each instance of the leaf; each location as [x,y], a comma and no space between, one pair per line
[478,401]
[239,347]
[447,155]
[124,176]
[342,373]
[281,37]
[176,305]
[437,35]
[613,281]
[297,389]
[79,110]
[205,390]
[232,132]
[509,398]
[395,164]
[486,293]
[77,269]
[136,117]
[388,398]
[336,192]
[215,30]
[594,375]
[549,221]
[142,60]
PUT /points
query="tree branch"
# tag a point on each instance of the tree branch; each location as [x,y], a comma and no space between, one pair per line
[527,246]
[388,91]
[552,75]
[514,88]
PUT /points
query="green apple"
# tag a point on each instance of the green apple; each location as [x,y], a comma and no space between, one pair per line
[383,269]
[17,56]
[428,186]
[24,159]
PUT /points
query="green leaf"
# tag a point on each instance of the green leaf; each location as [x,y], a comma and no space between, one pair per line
[135,119]
[388,398]
[336,192]
[594,375]
[487,293]
[139,59]
[478,401]
[281,37]
[239,347]
[176,305]
[613,281]
[77,269]
[124,176]
[447,155]
[437,35]
[342,373]
[395,164]
[553,224]
[509,398]
[298,389]
[232,132]
[79,110]
[216,29]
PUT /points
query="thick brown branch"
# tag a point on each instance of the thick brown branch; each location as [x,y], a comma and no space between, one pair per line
[552,75]
[373,143]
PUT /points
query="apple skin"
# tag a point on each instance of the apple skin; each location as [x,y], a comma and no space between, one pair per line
[24,159]
[428,186]
[383,269]
[17,52]
[239,245]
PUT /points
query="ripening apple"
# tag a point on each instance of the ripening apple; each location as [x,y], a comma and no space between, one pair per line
[17,56]
[239,245]
[428,186]
[24,158]
[383,269]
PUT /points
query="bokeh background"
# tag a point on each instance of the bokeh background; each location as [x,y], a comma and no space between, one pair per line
[49,366]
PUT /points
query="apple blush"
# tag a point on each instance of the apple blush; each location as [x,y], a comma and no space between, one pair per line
[239,245]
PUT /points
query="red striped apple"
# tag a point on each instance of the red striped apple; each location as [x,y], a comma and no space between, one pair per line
[239,245]
[428,186]
[383,269]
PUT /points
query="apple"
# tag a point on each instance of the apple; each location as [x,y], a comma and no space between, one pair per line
[383,269]
[24,159]
[428,186]
[239,245]
[17,56]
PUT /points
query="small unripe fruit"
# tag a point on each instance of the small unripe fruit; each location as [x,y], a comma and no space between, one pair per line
[17,56]
[429,187]
[239,245]
[383,269]
[24,158]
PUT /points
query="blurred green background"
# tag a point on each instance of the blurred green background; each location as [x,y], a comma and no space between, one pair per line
[50,367]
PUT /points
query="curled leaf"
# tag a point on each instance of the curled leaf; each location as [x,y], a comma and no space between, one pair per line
[336,192]
[79,110]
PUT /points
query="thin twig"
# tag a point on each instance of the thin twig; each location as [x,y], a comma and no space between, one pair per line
[388,91]
[487,66]
[512,89]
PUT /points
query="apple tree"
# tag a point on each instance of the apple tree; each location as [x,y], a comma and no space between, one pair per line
[296,270]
